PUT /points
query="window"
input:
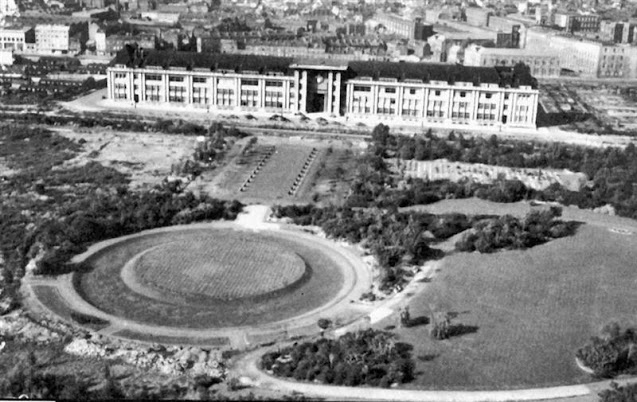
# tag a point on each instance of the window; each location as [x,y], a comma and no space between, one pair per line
[437,93]
[153,77]
[412,91]
[390,90]
[361,88]
[463,94]
[199,80]
[175,79]
[120,75]
[247,82]
[488,96]
[274,83]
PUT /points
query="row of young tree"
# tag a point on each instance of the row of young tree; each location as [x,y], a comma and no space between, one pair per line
[367,357]
[165,126]
[612,171]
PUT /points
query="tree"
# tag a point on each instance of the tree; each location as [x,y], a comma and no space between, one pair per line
[440,327]
[324,324]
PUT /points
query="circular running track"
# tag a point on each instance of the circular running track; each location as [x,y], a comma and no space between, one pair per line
[204,280]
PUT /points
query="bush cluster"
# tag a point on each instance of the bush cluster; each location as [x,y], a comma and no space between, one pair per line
[508,232]
[368,357]
[612,353]
[395,239]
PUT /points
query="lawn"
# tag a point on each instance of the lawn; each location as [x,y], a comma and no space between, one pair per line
[277,176]
[50,297]
[104,287]
[525,312]
[220,267]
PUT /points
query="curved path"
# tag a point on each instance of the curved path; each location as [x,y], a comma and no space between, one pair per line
[252,376]
[246,368]
[357,280]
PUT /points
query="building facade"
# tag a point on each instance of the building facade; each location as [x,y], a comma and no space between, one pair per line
[416,92]
[571,22]
[14,39]
[406,27]
[52,38]
[543,64]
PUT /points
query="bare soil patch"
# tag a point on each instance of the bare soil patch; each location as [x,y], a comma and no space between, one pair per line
[147,157]
[538,179]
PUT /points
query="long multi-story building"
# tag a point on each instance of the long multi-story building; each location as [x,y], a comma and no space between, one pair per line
[417,92]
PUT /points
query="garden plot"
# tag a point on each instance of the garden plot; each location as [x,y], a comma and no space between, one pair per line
[442,169]
[277,177]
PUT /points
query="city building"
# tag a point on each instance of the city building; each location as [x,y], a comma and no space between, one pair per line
[543,64]
[417,92]
[52,38]
[406,27]
[477,16]
[588,58]
[16,38]
[8,8]
[6,57]
[115,43]
[618,31]
[573,22]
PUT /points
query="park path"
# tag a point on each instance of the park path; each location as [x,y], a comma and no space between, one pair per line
[247,370]
[357,279]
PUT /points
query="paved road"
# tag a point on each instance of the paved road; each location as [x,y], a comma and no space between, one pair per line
[340,126]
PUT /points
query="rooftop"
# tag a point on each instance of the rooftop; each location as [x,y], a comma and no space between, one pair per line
[502,76]
[444,72]
[200,60]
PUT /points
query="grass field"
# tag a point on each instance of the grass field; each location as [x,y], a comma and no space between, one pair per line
[104,288]
[226,267]
[524,313]
[278,174]
[50,297]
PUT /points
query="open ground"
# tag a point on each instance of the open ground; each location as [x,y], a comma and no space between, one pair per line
[521,315]
[538,179]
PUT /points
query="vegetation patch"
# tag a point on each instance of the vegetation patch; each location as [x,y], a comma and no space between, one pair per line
[218,341]
[370,357]
[612,353]
[508,232]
